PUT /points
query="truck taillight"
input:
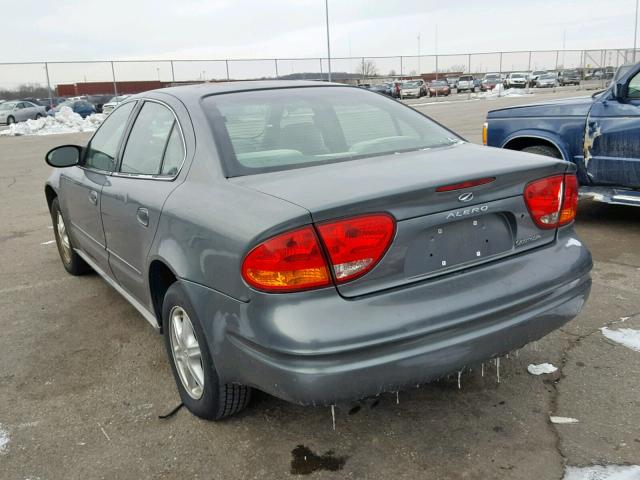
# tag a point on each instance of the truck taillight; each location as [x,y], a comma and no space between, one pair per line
[552,201]
[295,260]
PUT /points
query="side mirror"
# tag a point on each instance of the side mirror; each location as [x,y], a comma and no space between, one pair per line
[63,156]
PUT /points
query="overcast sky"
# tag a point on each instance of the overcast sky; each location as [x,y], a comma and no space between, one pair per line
[117,29]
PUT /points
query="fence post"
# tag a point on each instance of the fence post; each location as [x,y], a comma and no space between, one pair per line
[529,73]
[275,61]
[173,73]
[500,73]
[362,68]
[113,74]
[400,67]
[436,67]
[46,69]
[226,63]
[321,74]
[469,70]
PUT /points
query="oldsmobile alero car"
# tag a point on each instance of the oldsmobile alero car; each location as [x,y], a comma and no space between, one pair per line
[319,242]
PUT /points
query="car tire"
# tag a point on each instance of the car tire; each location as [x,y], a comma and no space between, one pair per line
[195,375]
[11,120]
[38,116]
[545,150]
[72,262]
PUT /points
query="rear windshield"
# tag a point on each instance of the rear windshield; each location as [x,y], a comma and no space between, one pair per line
[279,129]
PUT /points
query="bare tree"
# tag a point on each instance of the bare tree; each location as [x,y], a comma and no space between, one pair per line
[392,73]
[367,68]
[457,68]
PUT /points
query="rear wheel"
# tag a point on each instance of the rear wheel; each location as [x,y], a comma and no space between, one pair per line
[72,262]
[38,116]
[545,150]
[10,120]
[193,369]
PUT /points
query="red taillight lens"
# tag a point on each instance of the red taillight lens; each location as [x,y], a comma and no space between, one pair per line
[552,201]
[570,200]
[355,245]
[288,262]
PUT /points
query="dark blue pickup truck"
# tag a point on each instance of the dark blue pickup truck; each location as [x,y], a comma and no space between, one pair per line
[599,133]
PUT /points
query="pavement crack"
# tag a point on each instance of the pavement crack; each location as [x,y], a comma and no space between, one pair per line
[573,341]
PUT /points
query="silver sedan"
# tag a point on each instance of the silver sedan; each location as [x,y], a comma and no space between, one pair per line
[19,111]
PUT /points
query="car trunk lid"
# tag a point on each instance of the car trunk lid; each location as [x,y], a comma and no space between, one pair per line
[437,232]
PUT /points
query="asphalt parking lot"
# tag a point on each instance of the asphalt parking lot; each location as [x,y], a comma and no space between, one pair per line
[84,378]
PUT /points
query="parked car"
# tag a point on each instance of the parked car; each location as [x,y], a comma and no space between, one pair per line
[108,107]
[19,111]
[384,88]
[453,82]
[413,88]
[465,83]
[600,134]
[51,102]
[516,80]
[490,81]
[568,77]
[439,88]
[548,80]
[535,75]
[81,107]
[98,101]
[288,285]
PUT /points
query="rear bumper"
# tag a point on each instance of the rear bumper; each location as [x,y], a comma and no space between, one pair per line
[613,195]
[318,348]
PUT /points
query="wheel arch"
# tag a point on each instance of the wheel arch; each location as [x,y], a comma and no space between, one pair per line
[526,139]
[50,194]
[160,278]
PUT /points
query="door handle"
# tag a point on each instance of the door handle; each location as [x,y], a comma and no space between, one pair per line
[93,197]
[143,216]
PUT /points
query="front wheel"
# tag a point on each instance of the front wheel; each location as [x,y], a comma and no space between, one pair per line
[193,369]
[11,120]
[72,262]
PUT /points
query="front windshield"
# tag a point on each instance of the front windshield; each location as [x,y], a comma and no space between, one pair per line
[491,77]
[438,83]
[517,75]
[547,77]
[410,85]
[278,129]
[7,105]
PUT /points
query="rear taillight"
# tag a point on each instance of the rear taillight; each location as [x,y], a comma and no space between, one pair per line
[570,200]
[294,261]
[552,201]
[288,262]
[355,245]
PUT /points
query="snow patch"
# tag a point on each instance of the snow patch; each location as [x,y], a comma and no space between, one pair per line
[572,242]
[563,420]
[4,440]
[541,369]
[499,91]
[64,121]
[603,472]
[628,337]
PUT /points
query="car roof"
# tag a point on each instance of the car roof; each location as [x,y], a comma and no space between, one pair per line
[195,92]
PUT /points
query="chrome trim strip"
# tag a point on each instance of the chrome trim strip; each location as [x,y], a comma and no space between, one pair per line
[86,234]
[111,252]
[148,316]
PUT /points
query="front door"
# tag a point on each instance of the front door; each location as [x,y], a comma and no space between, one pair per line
[81,187]
[133,199]
[612,139]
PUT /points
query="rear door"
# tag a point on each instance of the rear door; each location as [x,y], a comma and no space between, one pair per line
[612,144]
[133,198]
[81,187]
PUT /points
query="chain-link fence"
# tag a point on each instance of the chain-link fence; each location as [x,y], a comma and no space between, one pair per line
[47,79]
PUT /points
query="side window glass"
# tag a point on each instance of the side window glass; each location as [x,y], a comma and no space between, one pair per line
[147,140]
[104,144]
[634,87]
[174,153]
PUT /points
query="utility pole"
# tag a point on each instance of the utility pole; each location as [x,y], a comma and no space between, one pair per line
[635,35]
[419,69]
[326,9]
